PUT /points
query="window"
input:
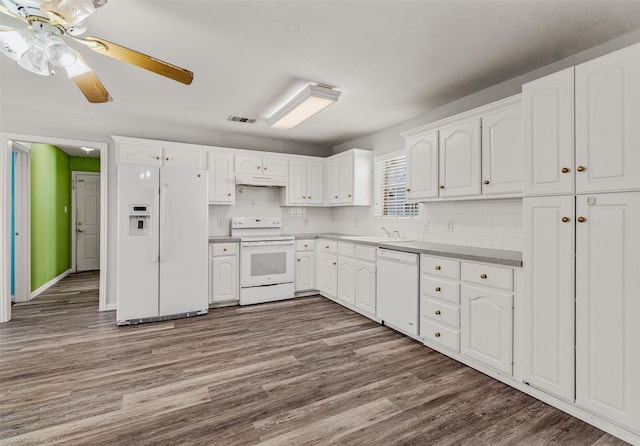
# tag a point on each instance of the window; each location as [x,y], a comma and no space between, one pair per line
[391,187]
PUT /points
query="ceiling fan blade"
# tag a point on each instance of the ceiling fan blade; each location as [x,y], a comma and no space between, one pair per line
[138,59]
[6,28]
[71,12]
[5,10]
[87,81]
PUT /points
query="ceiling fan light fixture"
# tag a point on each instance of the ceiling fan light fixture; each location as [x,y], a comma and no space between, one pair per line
[16,42]
[72,11]
[310,101]
[35,60]
[77,68]
[59,53]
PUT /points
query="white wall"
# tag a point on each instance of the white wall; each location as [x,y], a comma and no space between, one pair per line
[252,201]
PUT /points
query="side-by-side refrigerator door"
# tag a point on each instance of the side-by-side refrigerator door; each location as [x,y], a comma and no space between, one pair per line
[184,238]
[138,250]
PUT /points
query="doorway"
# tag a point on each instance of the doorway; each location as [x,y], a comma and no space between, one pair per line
[20,221]
[85,221]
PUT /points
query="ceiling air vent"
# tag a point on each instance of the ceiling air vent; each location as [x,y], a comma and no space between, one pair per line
[241,119]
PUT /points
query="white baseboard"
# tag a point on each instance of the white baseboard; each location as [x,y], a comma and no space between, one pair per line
[50,283]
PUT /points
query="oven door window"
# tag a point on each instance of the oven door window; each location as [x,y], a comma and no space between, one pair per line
[268,264]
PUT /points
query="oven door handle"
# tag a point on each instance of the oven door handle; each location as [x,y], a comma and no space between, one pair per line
[269,243]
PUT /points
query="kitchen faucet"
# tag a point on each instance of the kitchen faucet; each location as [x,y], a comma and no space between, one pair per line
[391,234]
[386,231]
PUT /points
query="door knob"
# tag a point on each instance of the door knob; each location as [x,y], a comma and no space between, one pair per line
[80,230]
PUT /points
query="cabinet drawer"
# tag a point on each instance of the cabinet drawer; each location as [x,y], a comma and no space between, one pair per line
[440,267]
[367,253]
[328,246]
[305,245]
[440,312]
[225,249]
[448,337]
[488,275]
[346,249]
[440,289]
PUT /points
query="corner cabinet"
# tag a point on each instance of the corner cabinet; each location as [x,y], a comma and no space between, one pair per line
[343,172]
[306,183]
[222,188]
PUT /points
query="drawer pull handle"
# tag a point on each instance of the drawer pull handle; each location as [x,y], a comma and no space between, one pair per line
[438,267]
[437,312]
[483,276]
[565,219]
[437,288]
[437,334]
[565,170]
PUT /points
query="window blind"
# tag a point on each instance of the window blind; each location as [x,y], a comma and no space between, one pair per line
[391,188]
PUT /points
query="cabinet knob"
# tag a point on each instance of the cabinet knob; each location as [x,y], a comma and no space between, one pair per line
[485,182]
[305,245]
[224,249]
[228,194]
[304,197]
[483,276]
[349,195]
[437,312]
[335,196]
[438,289]
[298,260]
[582,219]
[309,197]
[580,168]
[327,247]
[565,170]
[408,189]
[438,267]
[333,263]
[167,159]
[264,168]
[157,157]
[442,186]
[258,167]
[437,334]
[565,219]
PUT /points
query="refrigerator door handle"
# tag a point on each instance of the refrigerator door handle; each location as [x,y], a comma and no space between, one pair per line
[156,248]
[163,222]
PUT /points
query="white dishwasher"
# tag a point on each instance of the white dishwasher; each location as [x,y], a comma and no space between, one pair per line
[397,290]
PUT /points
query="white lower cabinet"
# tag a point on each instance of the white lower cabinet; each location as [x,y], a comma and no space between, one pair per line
[346,280]
[305,265]
[223,273]
[327,268]
[366,286]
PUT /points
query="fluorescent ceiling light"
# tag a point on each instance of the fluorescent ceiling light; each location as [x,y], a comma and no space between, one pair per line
[308,102]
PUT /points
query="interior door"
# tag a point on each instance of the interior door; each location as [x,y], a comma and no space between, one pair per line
[87,224]
[20,224]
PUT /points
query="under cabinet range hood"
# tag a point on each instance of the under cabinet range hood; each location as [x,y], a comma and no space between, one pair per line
[260,180]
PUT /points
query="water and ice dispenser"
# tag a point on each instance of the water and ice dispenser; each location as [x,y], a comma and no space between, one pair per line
[139,220]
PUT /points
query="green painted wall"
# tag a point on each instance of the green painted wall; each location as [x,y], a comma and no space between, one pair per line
[78,164]
[50,213]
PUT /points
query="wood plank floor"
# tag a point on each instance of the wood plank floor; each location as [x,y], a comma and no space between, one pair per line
[299,372]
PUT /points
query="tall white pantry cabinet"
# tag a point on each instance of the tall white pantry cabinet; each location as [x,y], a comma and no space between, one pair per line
[582,236]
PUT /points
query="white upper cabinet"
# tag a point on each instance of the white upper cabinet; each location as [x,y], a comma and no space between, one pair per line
[548,134]
[548,303]
[258,165]
[306,183]
[502,150]
[422,165]
[608,306]
[608,122]
[459,154]
[147,155]
[193,158]
[154,154]
[222,188]
[344,172]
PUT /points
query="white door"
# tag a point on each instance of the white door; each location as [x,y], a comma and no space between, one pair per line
[366,287]
[297,185]
[305,268]
[346,179]
[184,241]
[422,171]
[460,159]
[548,301]
[21,222]
[548,134]
[347,280]
[607,122]
[225,279]
[315,182]
[487,327]
[502,152]
[608,306]
[222,188]
[333,181]
[87,221]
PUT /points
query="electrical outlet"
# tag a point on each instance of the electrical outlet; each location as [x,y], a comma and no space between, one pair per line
[425,228]
[449,225]
[220,222]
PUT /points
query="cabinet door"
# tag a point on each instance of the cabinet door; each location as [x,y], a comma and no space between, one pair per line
[327,276]
[608,306]
[193,159]
[366,287]
[275,167]
[297,185]
[333,181]
[422,166]
[548,134]
[346,179]
[305,271]
[607,118]
[548,304]
[502,151]
[460,159]
[251,165]
[487,327]
[222,188]
[347,280]
[225,279]
[139,154]
[315,182]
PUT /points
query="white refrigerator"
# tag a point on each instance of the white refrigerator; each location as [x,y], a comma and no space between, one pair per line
[162,256]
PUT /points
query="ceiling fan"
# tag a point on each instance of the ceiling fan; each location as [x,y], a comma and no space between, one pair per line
[40,47]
